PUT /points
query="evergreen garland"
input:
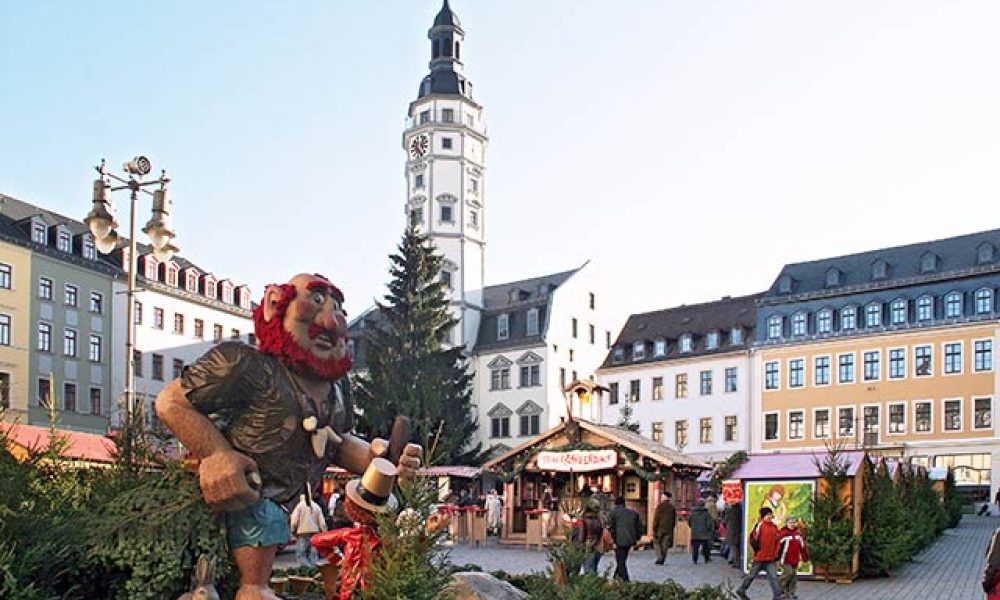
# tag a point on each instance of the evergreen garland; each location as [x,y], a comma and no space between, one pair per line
[632,458]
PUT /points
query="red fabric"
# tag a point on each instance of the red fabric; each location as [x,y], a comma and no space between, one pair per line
[995,594]
[767,532]
[357,544]
[793,546]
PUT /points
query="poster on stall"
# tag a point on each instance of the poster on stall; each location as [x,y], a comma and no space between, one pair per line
[786,499]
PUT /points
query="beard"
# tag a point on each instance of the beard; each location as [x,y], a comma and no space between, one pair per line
[274,340]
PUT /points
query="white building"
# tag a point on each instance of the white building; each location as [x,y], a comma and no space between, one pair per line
[686,373]
[181,311]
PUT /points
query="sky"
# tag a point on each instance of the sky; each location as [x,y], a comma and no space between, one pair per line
[688,148]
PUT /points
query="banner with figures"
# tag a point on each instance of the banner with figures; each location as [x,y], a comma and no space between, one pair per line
[786,499]
[577,461]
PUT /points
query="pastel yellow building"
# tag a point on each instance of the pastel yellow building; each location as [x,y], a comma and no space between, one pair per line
[15,328]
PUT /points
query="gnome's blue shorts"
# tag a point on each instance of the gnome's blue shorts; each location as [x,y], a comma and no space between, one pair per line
[261,524]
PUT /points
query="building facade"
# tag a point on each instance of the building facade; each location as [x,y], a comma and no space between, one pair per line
[890,350]
[685,372]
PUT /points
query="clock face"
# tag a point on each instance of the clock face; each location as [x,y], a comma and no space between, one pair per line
[419,145]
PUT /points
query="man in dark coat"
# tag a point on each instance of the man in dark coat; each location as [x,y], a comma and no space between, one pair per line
[664,520]
[734,533]
[702,524]
[626,529]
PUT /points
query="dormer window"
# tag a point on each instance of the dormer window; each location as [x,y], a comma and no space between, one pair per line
[880,270]
[638,350]
[953,305]
[151,270]
[736,336]
[824,321]
[503,326]
[172,272]
[925,308]
[532,322]
[712,340]
[873,315]
[984,301]
[685,345]
[191,282]
[799,323]
[848,318]
[660,348]
[928,262]
[898,310]
[618,354]
[226,294]
[773,327]
[64,242]
[832,277]
[89,250]
[243,296]
[208,286]
[985,253]
[785,284]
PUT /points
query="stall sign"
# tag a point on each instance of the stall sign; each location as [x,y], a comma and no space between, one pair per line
[732,491]
[577,461]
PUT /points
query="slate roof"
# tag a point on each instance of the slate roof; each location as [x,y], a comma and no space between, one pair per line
[447,17]
[696,320]
[956,257]
[514,299]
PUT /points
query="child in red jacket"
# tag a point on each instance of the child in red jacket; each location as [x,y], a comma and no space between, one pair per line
[792,550]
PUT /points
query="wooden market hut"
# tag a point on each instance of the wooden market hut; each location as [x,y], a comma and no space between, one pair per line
[577,454]
[82,450]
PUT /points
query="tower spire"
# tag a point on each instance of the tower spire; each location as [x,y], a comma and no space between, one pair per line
[446,77]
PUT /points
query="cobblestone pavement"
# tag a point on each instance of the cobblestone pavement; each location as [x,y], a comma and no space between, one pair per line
[948,570]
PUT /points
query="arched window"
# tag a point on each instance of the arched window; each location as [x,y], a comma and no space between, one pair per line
[953,305]
[458,55]
[984,301]
[436,52]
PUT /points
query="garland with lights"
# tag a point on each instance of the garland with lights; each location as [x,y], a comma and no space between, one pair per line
[633,459]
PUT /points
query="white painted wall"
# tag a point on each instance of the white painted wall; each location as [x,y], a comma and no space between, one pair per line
[486,399]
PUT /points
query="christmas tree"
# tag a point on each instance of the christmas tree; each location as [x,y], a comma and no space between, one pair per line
[885,535]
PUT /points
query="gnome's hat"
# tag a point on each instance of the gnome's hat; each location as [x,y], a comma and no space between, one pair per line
[373,492]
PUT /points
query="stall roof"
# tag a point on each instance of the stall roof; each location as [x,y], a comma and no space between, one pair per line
[631,440]
[80,446]
[452,471]
[791,465]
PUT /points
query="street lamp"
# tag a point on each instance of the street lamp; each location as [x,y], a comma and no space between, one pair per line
[102,224]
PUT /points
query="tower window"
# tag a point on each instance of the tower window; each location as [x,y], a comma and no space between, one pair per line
[436,49]
[425,116]
[416,216]
[446,143]
[418,181]
[447,213]
[458,55]
[447,47]
[447,115]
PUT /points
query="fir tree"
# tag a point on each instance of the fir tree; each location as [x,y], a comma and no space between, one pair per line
[831,538]
[411,371]
[625,419]
[884,537]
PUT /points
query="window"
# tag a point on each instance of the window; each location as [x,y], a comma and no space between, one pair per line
[773,328]
[447,213]
[71,295]
[821,370]
[873,367]
[95,348]
[848,318]
[447,115]
[984,301]
[607,339]
[5,276]
[634,390]
[897,418]
[897,363]
[172,272]
[897,312]
[824,321]
[984,253]
[618,355]
[984,355]
[925,308]
[953,305]
[45,337]
[573,331]
[845,421]
[69,397]
[983,415]
[44,391]
[681,433]
[425,116]
[736,336]
[503,326]
[530,425]
[446,279]
[418,181]
[158,367]
[799,324]
[96,303]
[681,385]
[706,383]
[138,312]
[730,379]
[474,219]
[217,333]
[95,401]
[923,359]
[796,373]
[500,379]
[532,321]
[660,348]
[922,417]
[685,343]
[45,288]
[500,427]
[952,415]
[158,318]
[928,262]
[657,388]
[529,376]
[191,281]
[873,315]
[63,242]
[705,430]
[613,392]
[69,343]
[871,425]
[657,431]
[638,348]
[770,426]
[38,233]
[821,423]
[771,375]
[446,143]
[199,329]
[4,330]
[137,362]
[178,367]
[796,424]
[712,341]
[879,269]
[731,428]
[845,372]
[953,358]
[179,323]
[473,185]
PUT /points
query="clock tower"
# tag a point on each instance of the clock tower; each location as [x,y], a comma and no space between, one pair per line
[445,143]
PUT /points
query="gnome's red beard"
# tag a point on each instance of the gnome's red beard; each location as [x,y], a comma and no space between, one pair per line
[273,339]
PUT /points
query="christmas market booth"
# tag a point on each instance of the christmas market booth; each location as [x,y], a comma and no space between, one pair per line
[550,476]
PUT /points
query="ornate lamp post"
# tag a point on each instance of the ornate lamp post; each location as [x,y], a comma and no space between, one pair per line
[102,224]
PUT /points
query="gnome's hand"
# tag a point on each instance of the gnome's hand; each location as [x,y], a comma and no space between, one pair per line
[409,461]
[225,477]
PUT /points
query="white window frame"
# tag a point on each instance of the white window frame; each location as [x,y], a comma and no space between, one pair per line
[989,300]
[789,414]
[868,314]
[824,315]
[829,370]
[532,314]
[878,376]
[944,358]
[973,357]
[913,353]
[950,296]
[892,311]
[788,367]
[800,324]
[774,321]
[638,350]
[685,343]
[503,326]
[944,414]
[930,429]
[736,429]
[763,426]
[972,420]
[861,421]
[778,386]
[853,311]
[659,348]
[917,309]
[888,418]
[888,363]
[712,340]
[854,421]
[829,423]
[736,336]
[854,362]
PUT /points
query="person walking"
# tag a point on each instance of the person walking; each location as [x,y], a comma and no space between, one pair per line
[494,512]
[793,549]
[306,521]
[591,537]
[990,581]
[664,521]
[702,525]
[734,534]
[764,541]
[626,530]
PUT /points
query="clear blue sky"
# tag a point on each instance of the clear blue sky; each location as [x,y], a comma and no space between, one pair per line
[693,147]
